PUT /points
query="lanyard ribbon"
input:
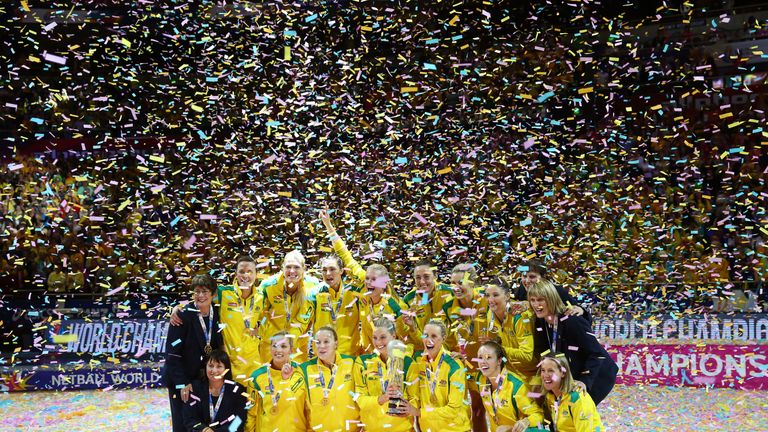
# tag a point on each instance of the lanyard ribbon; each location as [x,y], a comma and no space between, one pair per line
[335,308]
[206,329]
[215,410]
[271,388]
[247,317]
[286,307]
[382,383]
[495,402]
[330,383]
[433,382]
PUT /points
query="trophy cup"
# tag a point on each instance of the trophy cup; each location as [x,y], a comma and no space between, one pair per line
[395,372]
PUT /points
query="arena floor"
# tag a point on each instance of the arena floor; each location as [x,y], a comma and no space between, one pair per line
[633,409]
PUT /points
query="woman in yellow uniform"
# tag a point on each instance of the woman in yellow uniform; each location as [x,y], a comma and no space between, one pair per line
[505,393]
[568,408]
[375,300]
[514,331]
[374,391]
[466,318]
[279,392]
[289,305]
[331,386]
[439,386]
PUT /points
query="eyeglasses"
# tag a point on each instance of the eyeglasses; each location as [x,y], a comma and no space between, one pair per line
[201,292]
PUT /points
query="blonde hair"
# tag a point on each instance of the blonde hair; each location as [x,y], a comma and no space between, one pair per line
[546,290]
[282,334]
[567,384]
[384,323]
[296,256]
[298,295]
[467,271]
[440,325]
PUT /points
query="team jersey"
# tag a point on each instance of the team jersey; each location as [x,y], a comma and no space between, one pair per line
[331,395]
[280,404]
[389,305]
[510,402]
[239,314]
[342,310]
[574,412]
[516,336]
[441,396]
[370,383]
[425,306]
[279,314]
[465,325]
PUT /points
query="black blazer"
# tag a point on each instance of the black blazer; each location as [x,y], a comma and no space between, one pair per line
[197,414]
[184,348]
[590,362]
[522,295]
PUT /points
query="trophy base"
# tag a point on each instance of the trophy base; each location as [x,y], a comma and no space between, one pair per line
[394,407]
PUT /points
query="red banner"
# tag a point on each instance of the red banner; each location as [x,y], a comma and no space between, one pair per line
[696,365]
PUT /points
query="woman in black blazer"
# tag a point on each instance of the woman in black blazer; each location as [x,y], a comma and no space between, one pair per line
[556,332]
[189,344]
[217,403]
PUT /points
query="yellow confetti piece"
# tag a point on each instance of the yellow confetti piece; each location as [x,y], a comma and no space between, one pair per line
[287,53]
[197,108]
[285,194]
[125,204]
[160,158]
[445,170]
[64,339]
[586,90]
[409,89]
[125,42]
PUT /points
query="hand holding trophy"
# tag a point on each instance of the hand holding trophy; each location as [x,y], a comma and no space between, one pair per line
[395,375]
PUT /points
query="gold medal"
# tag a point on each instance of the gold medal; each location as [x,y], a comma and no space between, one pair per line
[433,399]
[208,349]
[273,410]
[496,419]
[324,402]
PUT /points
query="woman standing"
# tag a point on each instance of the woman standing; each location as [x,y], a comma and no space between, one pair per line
[372,386]
[330,386]
[279,391]
[440,386]
[514,331]
[572,335]
[187,346]
[569,409]
[505,393]
[217,403]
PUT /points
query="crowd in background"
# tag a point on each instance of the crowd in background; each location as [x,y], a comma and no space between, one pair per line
[459,134]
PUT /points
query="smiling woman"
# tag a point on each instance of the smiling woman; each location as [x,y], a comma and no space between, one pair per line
[567,408]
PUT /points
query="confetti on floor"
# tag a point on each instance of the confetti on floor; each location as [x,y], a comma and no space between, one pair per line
[636,409]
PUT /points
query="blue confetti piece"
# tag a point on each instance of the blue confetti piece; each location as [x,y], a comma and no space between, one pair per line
[310,18]
[545,96]
[429,66]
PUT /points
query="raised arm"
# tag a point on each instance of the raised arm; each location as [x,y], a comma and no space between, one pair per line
[355,269]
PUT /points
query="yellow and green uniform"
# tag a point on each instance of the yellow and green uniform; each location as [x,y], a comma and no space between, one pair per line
[279,314]
[466,325]
[574,412]
[439,389]
[370,376]
[341,309]
[516,336]
[425,306]
[280,404]
[331,394]
[389,305]
[237,315]
[510,402]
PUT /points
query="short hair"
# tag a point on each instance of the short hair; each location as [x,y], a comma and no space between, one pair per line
[567,384]
[382,322]
[296,256]
[204,280]
[219,356]
[500,282]
[282,334]
[378,268]
[333,257]
[330,329]
[246,259]
[546,290]
[438,323]
[468,270]
[424,262]
[497,349]
[536,267]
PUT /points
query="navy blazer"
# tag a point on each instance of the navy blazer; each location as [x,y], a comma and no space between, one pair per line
[590,362]
[197,414]
[184,348]
[522,295]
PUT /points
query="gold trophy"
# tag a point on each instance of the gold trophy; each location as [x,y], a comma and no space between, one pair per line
[395,373]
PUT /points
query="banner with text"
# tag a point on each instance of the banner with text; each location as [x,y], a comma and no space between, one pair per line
[131,337]
[86,378]
[736,327]
[697,365]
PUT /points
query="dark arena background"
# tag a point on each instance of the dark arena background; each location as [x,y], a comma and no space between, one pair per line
[624,144]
